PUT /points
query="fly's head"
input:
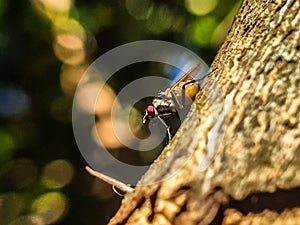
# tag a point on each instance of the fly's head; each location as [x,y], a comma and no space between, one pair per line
[150,113]
[162,108]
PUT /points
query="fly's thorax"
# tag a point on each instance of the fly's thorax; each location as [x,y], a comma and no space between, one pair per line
[164,105]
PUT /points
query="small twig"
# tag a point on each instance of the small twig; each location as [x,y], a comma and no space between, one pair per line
[115,183]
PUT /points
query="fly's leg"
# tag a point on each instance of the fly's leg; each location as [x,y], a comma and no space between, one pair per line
[167,127]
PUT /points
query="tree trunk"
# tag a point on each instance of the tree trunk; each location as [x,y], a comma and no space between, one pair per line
[255,131]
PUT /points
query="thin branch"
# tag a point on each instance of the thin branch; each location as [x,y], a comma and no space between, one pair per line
[115,183]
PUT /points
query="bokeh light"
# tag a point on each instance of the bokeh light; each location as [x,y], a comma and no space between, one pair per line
[11,205]
[223,27]
[105,132]
[202,30]
[7,145]
[51,206]
[23,173]
[106,128]
[69,45]
[104,101]
[160,20]
[200,7]
[28,220]
[97,16]
[14,102]
[70,76]
[139,9]
[54,5]
[53,9]
[69,48]
[57,174]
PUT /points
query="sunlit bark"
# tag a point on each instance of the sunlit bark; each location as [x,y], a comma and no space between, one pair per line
[258,71]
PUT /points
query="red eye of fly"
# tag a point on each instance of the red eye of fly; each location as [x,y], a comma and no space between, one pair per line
[150,110]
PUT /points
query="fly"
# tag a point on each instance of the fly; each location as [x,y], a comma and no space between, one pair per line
[164,107]
[178,96]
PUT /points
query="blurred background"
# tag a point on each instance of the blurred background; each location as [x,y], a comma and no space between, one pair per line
[45,47]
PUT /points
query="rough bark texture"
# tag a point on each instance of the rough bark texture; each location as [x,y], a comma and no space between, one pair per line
[257,150]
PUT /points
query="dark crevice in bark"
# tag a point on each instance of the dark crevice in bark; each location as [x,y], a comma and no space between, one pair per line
[180,191]
[152,200]
[182,209]
[278,201]
[220,215]
[257,203]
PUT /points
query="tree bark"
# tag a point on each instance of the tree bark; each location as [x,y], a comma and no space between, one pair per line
[256,129]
